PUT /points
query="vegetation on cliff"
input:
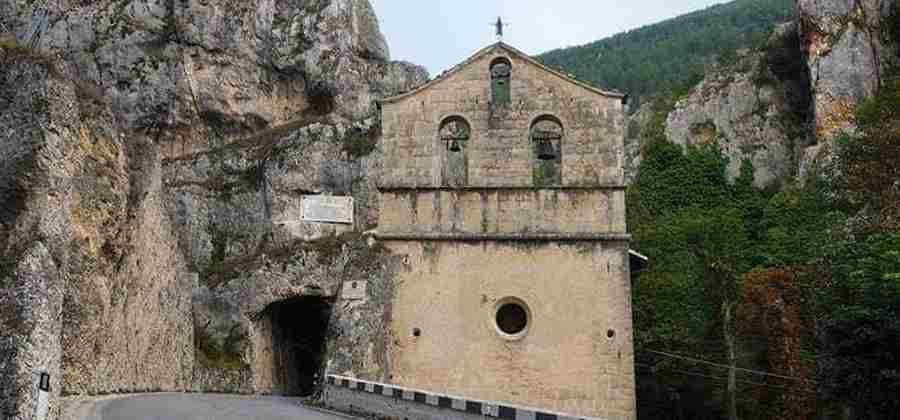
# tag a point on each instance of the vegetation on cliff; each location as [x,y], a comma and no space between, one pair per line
[674,54]
[773,304]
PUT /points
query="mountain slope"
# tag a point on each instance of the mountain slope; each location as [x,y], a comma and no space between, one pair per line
[671,54]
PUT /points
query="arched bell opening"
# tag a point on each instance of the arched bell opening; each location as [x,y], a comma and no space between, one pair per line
[546,137]
[455,136]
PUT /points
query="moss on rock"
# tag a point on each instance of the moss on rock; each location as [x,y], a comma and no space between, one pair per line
[225,353]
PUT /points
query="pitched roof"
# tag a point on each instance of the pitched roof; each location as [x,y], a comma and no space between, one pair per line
[501,45]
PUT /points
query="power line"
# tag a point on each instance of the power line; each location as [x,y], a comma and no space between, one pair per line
[684,372]
[722,378]
[758,372]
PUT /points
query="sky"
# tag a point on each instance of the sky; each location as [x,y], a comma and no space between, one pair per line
[439,34]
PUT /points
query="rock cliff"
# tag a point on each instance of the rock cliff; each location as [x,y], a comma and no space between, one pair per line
[154,155]
[756,108]
[849,44]
[781,105]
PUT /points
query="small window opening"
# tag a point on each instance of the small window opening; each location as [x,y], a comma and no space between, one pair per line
[512,318]
[501,72]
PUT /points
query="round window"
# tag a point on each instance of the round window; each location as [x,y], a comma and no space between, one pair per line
[512,318]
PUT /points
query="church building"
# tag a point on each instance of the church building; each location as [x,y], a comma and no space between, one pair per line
[503,192]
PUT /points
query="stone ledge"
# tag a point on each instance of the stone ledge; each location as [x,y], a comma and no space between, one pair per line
[506,237]
[489,188]
[398,402]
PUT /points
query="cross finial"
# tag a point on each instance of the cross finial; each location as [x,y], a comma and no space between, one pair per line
[500,26]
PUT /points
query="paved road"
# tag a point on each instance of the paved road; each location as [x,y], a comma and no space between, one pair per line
[206,406]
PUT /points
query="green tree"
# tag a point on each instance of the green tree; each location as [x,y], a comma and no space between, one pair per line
[867,169]
[860,327]
[858,298]
[698,229]
[667,56]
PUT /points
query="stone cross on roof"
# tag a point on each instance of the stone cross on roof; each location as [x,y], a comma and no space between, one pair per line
[499,25]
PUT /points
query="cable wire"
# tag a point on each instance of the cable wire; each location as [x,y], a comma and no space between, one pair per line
[758,372]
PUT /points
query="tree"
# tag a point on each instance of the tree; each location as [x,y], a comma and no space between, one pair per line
[859,297]
[719,241]
[860,330]
[772,305]
[866,168]
[693,224]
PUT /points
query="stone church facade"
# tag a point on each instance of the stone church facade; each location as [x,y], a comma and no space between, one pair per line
[502,190]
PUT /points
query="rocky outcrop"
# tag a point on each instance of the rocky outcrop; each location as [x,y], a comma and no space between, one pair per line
[155,179]
[81,300]
[756,109]
[36,120]
[848,48]
[173,66]
[782,106]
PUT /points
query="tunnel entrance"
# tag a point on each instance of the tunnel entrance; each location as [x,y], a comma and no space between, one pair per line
[299,326]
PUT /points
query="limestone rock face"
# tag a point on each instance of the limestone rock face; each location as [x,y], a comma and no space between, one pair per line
[635,136]
[167,64]
[847,52]
[81,301]
[755,109]
[155,154]
[783,106]
[37,124]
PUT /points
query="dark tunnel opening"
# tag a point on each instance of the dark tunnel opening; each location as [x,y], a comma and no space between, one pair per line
[299,327]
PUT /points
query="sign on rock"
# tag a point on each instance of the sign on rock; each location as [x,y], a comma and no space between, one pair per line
[328,209]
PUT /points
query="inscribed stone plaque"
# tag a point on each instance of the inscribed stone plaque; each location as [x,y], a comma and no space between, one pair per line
[354,290]
[329,209]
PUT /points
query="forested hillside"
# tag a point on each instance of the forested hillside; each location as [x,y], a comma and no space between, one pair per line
[777,300]
[672,54]
[795,293]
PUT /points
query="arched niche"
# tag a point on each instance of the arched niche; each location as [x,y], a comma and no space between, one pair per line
[455,135]
[546,136]
[501,74]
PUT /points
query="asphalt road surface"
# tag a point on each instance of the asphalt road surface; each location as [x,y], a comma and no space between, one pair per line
[206,406]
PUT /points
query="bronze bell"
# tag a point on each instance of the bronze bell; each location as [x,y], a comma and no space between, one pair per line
[545,150]
[454,146]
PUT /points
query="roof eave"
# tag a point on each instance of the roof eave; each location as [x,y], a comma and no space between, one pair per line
[513,50]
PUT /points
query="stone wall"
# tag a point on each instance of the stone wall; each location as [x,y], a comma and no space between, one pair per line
[576,293]
[500,237]
[503,211]
[591,147]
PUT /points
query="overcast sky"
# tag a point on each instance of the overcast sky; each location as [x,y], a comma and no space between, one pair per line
[438,34]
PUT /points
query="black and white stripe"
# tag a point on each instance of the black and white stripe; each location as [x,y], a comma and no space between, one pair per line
[496,410]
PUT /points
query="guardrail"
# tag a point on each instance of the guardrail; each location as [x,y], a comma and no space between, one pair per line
[389,401]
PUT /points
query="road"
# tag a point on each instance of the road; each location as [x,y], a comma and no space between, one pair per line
[206,407]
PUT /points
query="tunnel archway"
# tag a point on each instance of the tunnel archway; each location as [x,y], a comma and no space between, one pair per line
[299,327]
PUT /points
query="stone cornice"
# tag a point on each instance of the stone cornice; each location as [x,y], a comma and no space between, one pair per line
[407,188]
[505,237]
